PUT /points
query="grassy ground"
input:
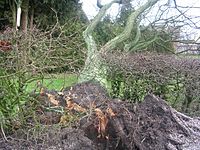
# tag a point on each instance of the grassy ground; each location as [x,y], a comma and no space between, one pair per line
[54,81]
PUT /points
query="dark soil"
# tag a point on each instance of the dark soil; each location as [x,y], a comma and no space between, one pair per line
[107,124]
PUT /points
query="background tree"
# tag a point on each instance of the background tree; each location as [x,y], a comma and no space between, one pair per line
[41,13]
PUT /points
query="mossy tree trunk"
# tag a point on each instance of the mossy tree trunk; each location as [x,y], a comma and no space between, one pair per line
[93,63]
[94,68]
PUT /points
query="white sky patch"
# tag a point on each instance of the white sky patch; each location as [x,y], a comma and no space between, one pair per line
[91,9]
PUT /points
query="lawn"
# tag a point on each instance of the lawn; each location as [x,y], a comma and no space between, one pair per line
[54,81]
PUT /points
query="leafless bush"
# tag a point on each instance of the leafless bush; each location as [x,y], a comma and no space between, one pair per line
[29,57]
[46,50]
[174,78]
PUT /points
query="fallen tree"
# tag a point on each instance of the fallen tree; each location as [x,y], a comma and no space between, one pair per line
[106,123]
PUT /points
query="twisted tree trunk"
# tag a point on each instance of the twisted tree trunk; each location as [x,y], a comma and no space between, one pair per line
[94,68]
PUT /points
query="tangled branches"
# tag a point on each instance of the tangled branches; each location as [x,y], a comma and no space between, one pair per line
[174,78]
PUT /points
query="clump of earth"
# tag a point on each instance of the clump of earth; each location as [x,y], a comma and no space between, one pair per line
[102,123]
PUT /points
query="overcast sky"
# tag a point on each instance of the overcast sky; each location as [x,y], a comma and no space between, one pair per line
[90,8]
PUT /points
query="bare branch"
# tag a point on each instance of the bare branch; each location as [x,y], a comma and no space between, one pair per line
[128,46]
[99,4]
[87,34]
[132,21]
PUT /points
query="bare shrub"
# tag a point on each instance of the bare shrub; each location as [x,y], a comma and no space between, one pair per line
[174,78]
[33,54]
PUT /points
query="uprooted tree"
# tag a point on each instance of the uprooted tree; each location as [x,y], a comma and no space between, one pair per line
[104,123]
[148,133]
[111,64]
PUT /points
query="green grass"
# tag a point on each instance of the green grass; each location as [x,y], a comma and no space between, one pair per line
[54,81]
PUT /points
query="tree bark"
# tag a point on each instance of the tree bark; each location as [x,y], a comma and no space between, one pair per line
[92,69]
[31,18]
[24,20]
[14,12]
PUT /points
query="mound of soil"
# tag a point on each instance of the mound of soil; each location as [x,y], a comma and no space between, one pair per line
[109,124]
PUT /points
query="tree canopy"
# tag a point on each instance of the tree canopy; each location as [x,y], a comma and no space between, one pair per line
[42,13]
